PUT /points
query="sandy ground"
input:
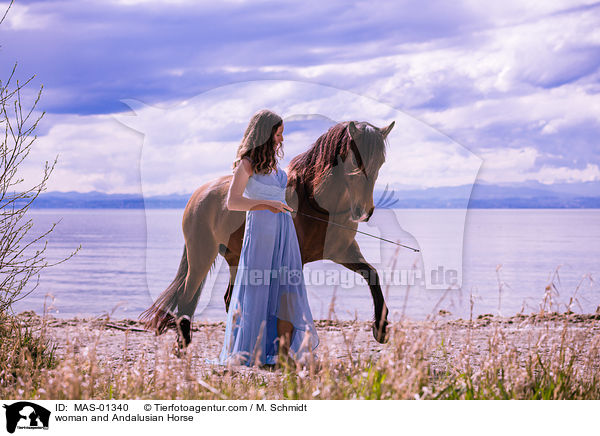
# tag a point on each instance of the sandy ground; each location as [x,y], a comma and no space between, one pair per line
[118,343]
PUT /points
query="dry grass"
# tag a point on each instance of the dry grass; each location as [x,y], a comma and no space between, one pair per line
[24,354]
[548,355]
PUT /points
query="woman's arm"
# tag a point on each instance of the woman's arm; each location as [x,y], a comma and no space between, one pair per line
[235,199]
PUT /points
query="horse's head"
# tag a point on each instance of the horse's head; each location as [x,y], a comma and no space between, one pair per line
[341,167]
[363,160]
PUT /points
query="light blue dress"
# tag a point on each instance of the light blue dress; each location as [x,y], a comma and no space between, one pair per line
[269,284]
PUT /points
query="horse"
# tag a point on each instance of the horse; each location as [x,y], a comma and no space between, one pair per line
[329,186]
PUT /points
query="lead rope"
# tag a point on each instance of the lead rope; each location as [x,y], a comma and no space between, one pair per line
[368,234]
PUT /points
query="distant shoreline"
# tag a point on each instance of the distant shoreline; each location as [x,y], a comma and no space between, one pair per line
[433,198]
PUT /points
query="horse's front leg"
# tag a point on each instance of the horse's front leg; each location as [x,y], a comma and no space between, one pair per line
[354,260]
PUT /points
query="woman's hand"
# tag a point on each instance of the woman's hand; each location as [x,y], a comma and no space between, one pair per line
[277,206]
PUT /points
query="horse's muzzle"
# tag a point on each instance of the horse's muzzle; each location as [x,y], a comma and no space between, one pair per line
[359,214]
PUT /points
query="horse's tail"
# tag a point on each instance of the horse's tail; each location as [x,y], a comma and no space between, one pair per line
[160,316]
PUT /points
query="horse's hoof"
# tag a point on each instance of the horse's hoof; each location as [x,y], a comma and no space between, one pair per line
[380,332]
[177,350]
[184,331]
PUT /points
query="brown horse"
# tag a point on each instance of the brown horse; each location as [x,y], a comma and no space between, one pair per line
[331,183]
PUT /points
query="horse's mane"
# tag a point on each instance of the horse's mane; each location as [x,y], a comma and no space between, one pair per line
[314,165]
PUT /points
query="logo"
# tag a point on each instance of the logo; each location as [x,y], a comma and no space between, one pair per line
[26,415]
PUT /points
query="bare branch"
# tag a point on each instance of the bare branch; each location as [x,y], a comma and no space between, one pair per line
[22,253]
[4,16]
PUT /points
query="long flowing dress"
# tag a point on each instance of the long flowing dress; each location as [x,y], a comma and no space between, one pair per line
[269,284]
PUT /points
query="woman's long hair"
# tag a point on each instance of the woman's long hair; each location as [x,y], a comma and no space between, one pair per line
[263,156]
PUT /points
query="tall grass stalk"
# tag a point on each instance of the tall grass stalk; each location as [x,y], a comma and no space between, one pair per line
[548,356]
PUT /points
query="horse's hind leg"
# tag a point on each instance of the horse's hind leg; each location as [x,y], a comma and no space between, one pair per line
[232,260]
[227,296]
[200,256]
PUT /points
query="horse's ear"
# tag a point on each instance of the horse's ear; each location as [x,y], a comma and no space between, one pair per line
[386,130]
[353,130]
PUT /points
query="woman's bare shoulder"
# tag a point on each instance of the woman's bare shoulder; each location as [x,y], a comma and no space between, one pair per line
[247,165]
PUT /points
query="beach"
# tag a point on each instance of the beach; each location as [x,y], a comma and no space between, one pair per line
[118,359]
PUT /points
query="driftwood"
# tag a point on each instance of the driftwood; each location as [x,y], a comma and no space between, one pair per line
[118,327]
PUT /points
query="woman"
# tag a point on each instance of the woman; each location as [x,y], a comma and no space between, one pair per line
[269,312]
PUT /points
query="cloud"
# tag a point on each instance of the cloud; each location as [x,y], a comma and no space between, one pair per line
[24,17]
[95,153]
[189,144]
[108,51]
[521,165]
[154,50]
[517,74]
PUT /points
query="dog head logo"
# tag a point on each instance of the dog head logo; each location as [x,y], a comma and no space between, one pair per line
[24,414]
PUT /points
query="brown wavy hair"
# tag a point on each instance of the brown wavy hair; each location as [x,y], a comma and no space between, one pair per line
[263,158]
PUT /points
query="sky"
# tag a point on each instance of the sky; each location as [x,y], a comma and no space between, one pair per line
[153,96]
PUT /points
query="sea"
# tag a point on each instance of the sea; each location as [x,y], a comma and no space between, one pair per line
[471,262]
